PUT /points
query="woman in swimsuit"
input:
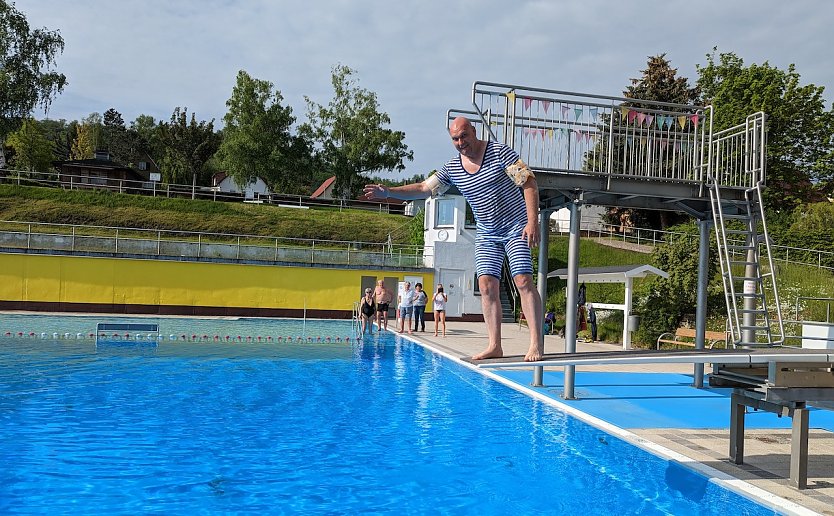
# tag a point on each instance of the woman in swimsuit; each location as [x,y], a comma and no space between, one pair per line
[366,311]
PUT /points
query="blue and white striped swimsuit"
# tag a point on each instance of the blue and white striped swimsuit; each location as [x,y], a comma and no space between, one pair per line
[499,208]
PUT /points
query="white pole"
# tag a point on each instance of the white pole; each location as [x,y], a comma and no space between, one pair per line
[626,315]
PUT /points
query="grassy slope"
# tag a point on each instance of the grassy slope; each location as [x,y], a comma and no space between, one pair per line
[111,209]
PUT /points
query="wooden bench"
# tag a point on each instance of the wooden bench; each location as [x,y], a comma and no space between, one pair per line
[686,337]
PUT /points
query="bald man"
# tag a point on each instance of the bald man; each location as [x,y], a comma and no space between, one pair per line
[504,197]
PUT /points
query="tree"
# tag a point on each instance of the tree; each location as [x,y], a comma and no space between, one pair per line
[352,134]
[659,82]
[188,145]
[257,141]
[664,302]
[32,150]
[87,137]
[800,130]
[61,133]
[26,76]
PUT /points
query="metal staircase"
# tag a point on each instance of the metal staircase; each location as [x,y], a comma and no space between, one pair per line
[753,308]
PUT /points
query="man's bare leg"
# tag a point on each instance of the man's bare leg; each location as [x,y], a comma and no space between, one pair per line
[491,303]
[531,303]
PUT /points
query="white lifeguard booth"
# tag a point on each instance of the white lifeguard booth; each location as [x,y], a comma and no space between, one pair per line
[449,239]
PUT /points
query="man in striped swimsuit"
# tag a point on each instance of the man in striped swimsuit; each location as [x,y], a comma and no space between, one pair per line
[506,211]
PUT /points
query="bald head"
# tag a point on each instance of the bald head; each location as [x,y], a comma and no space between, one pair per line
[464,139]
[461,123]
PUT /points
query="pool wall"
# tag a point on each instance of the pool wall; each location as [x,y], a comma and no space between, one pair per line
[123,285]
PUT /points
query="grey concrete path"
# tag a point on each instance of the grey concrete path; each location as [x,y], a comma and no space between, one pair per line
[767,452]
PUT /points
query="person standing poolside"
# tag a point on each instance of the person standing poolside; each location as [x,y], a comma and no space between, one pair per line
[420,301]
[405,305]
[367,309]
[383,297]
[504,197]
[439,305]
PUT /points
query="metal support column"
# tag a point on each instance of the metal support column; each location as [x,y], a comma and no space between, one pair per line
[544,232]
[737,410]
[701,303]
[799,448]
[570,308]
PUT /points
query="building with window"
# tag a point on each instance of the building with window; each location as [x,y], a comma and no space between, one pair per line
[449,231]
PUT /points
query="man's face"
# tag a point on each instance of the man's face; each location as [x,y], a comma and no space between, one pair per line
[464,139]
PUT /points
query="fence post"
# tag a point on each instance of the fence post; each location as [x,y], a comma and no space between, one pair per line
[117,240]
[199,245]
[313,252]
[29,233]
[238,248]
[72,245]
[158,243]
[276,249]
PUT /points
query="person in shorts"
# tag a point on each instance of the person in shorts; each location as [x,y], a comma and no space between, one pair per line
[405,304]
[504,197]
[382,296]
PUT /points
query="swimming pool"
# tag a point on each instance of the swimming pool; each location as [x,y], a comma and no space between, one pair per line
[378,426]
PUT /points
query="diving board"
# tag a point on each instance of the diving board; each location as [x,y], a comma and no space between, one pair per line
[731,356]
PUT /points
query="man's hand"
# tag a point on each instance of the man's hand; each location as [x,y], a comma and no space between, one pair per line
[531,234]
[372,192]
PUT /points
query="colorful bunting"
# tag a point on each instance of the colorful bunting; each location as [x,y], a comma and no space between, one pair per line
[565,110]
[632,115]
[695,119]
[641,117]
[546,105]
[578,113]
[594,113]
[682,121]
[527,102]
[511,97]
[624,111]
[650,119]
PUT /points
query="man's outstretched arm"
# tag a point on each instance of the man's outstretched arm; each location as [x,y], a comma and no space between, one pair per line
[405,192]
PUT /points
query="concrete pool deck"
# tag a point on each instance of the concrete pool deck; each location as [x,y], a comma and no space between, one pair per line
[656,402]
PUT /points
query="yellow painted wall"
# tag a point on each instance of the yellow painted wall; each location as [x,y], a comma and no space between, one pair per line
[75,279]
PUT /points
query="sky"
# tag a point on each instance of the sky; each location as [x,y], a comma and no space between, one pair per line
[419,57]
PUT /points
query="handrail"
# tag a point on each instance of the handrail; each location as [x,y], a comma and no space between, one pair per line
[221,246]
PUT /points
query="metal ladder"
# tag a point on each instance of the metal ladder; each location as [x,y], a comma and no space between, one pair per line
[753,308]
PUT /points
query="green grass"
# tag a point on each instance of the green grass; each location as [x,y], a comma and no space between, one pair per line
[102,208]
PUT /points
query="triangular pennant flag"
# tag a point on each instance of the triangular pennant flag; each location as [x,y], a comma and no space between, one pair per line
[526,131]
[669,121]
[588,136]
[632,115]
[550,133]
[542,132]
[661,120]
[641,117]
[594,113]
[511,97]
[629,140]
[546,105]
[578,113]
[643,140]
[624,111]
[682,121]
[527,102]
[695,120]
[578,134]
[565,110]
[649,120]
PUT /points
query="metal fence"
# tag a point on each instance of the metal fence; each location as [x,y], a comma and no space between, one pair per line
[78,239]
[651,237]
[173,190]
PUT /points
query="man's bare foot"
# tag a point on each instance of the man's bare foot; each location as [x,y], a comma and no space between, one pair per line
[534,354]
[489,352]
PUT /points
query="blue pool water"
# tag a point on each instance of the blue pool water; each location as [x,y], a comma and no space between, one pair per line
[378,426]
